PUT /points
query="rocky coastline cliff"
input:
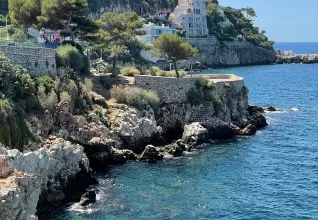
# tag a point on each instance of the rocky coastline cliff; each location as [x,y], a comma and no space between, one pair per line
[214,53]
[74,145]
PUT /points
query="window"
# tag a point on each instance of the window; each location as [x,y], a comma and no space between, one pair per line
[189,11]
[190,25]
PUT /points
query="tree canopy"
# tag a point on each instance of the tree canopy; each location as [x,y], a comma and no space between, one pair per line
[66,15]
[139,6]
[172,47]
[227,23]
[116,32]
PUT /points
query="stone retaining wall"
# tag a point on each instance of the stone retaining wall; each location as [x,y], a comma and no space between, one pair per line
[38,61]
[174,90]
[169,89]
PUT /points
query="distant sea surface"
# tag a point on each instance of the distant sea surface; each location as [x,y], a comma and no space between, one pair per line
[298,47]
[270,176]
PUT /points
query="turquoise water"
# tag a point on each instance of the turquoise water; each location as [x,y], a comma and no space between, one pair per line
[273,175]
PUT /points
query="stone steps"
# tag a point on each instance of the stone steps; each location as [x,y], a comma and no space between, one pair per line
[207,105]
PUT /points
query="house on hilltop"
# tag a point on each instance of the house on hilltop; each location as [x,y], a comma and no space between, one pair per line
[190,15]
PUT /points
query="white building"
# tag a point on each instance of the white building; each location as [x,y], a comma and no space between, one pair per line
[190,15]
[153,32]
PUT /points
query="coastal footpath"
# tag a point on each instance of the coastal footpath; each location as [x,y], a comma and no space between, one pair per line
[57,169]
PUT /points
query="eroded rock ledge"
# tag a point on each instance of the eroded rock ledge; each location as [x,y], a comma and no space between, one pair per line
[30,181]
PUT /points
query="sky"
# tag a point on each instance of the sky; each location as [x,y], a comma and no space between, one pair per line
[283,20]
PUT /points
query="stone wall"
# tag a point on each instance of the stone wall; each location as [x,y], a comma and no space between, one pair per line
[174,90]
[203,41]
[169,89]
[225,102]
[38,61]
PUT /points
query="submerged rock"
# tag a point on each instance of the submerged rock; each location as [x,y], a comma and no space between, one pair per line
[272,109]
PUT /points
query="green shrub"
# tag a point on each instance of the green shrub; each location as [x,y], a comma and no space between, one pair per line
[217,103]
[51,101]
[15,82]
[45,81]
[267,44]
[5,110]
[156,71]
[115,71]
[19,36]
[74,44]
[209,85]
[199,83]
[195,97]
[101,102]
[99,113]
[65,97]
[68,56]
[129,71]
[15,133]
[134,96]
[88,85]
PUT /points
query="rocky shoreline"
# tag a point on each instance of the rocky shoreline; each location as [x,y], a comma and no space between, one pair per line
[75,146]
[288,57]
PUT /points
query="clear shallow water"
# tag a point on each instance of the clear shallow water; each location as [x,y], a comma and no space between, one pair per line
[298,47]
[273,175]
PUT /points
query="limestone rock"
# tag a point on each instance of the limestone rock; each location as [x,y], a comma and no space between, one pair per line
[135,128]
[45,173]
[150,154]
[195,130]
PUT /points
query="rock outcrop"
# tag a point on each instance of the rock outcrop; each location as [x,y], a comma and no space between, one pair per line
[89,197]
[41,178]
[287,57]
[195,131]
[235,53]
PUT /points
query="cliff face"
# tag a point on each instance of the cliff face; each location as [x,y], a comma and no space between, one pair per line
[213,53]
[48,173]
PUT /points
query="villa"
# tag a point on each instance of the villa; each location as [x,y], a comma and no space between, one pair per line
[153,32]
[190,15]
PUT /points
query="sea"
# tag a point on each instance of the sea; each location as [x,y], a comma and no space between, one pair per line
[272,175]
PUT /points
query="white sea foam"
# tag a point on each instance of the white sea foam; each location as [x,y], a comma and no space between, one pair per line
[76,207]
[294,109]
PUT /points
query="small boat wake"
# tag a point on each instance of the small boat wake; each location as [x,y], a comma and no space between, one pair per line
[294,109]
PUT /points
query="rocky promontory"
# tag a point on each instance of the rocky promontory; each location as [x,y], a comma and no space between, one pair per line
[287,57]
[73,141]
